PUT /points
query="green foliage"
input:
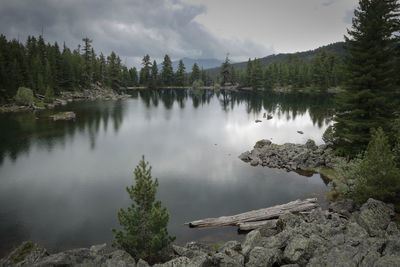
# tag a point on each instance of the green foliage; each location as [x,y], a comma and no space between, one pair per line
[197,84]
[369,100]
[48,97]
[376,174]
[195,75]
[114,71]
[256,80]
[39,66]
[167,73]
[329,135]
[396,141]
[21,252]
[225,71]
[24,96]
[144,222]
[145,77]
[333,195]
[154,81]
[180,74]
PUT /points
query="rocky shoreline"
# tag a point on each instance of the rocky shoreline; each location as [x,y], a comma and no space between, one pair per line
[97,93]
[289,156]
[344,235]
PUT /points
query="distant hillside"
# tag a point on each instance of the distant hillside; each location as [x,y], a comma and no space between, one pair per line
[203,63]
[335,48]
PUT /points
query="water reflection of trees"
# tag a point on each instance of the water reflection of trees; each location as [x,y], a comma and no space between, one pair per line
[289,106]
[319,106]
[21,130]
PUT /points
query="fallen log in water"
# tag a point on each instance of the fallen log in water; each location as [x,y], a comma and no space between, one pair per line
[256,218]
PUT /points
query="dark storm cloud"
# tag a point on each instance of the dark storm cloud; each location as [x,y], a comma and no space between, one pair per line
[132,28]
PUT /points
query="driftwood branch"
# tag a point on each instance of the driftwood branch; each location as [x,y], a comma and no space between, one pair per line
[257,218]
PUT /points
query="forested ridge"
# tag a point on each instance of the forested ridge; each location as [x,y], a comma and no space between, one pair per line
[45,67]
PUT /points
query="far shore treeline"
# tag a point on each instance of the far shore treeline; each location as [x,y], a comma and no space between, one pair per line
[43,67]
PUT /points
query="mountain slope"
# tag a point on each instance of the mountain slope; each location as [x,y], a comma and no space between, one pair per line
[335,48]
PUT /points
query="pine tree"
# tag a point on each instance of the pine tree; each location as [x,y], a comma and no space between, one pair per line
[257,75]
[368,101]
[377,175]
[249,68]
[195,75]
[87,62]
[154,75]
[134,77]
[145,71]
[114,71]
[144,234]
[48,96]
[167,73]
[180,74]
[102,68]
[225,71]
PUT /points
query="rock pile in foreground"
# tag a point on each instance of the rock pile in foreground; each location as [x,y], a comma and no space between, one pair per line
[290,156]
[341,236]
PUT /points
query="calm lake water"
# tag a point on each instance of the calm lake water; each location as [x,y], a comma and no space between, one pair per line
[62,183]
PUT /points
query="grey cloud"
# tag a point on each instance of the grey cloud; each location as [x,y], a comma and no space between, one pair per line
[349,16]
[328,2]
[132,28]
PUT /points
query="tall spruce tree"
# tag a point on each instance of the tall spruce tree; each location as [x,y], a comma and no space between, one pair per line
[180,74]
[167,73]
[225,71]
[368,101]
[195,73]
[87,62]
[154,75]
[145,71]
[144,234]
[257,75]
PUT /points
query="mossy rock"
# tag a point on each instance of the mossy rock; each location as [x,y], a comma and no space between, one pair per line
[21,252]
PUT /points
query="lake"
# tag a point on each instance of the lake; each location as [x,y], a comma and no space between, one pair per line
[62,182]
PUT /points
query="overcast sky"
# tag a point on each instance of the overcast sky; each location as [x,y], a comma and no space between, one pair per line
[181,28]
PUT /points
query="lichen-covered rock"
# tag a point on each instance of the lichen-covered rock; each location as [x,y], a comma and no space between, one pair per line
[310,144]
[375,216]
[234,245]
[343,206]
[118,258]
[142,263]
[289,156]
[245,156]
[26,254]
[201,261]
[178,262]
[392,261]
[252,240]
[263,257]
[188,252]
[232,259]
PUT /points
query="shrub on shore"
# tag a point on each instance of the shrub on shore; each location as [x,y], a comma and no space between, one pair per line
[24,96]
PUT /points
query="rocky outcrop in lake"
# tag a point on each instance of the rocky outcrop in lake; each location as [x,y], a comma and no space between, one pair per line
[340,236]
[96,93]
[290,156]
[67,115]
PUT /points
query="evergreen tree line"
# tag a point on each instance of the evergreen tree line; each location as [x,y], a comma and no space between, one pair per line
[45,67]
[323,72]
[150,76]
